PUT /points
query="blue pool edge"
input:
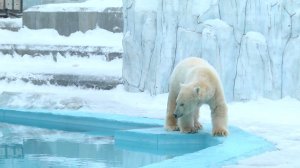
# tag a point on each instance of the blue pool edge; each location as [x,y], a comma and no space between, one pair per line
[238,145]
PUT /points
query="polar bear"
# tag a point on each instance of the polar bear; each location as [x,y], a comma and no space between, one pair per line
[195,82]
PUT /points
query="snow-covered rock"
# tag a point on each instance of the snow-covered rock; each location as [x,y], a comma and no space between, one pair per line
[291,69]
[218,44]
[251,43]
[253,57]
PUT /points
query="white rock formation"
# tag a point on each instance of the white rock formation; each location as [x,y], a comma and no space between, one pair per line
[253,44]
[253,57]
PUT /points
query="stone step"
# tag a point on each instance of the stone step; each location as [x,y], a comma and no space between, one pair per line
[82,81]
[109,53]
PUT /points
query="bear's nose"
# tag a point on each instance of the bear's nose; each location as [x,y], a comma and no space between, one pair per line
[175,115]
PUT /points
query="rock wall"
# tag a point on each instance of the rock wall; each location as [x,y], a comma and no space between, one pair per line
[253,44]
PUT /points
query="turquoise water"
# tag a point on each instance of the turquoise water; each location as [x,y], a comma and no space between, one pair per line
[29,147]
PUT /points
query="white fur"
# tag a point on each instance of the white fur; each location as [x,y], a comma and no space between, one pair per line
[195,82]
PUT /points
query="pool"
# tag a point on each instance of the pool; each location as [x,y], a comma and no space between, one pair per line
[99,140]
[30,147]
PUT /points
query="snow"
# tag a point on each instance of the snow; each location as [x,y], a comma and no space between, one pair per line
[94,65]
[12,22]
[90,5]
[51,37]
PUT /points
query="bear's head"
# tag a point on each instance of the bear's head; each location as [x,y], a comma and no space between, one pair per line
[190,97]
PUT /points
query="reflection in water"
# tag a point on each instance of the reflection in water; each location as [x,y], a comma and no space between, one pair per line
[36,151]
[11,151]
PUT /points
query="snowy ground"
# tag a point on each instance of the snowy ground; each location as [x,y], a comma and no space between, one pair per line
[94,65]
[51,37]
[11,22]
[275,120]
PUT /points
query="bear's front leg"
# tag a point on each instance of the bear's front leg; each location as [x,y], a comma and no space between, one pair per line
[219,120]
[186,124]
[197,124]
[171,121]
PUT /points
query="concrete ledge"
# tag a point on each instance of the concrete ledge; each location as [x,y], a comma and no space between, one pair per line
[238,145]
[74,121]
[157,140]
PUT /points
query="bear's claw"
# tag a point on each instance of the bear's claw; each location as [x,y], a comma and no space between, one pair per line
[189,130]
[172,128]
[198,126]
[220,132]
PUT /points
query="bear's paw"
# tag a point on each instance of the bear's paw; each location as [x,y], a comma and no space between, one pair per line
[197,125]
[191,130]
[220,132]
[171,128]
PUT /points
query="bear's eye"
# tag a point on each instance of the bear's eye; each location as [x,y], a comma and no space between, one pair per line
[181,104]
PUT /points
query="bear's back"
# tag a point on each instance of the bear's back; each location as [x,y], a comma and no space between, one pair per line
[192,67]
[192,63]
